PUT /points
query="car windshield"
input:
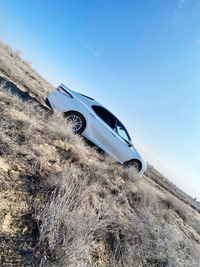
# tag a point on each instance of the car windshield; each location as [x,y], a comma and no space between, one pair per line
[121,131]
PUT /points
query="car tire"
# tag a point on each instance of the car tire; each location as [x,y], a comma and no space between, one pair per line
[77,120]
[134,163]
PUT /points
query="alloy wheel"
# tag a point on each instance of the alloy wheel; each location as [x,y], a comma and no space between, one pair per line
[75,121]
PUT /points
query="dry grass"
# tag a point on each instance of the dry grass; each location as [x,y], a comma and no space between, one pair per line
[64,204]
[18,71]
[170,187]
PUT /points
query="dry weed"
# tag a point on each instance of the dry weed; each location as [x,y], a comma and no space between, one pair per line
[69,224]
[90,211]
[17,70]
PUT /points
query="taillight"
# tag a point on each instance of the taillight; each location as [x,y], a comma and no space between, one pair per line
[63,91]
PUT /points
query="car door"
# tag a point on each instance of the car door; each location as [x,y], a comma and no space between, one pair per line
[103,130]
[100,125]
[123,142]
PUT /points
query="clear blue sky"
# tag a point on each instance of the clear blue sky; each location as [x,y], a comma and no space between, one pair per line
[141,59]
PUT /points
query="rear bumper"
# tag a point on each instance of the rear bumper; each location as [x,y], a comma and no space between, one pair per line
[48,103]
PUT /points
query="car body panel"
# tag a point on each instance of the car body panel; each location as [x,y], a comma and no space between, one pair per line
[97,130]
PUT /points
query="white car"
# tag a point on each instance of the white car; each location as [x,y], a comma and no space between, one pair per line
[97,124]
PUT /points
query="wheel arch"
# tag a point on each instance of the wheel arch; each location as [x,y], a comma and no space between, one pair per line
[134,159]
[77,111]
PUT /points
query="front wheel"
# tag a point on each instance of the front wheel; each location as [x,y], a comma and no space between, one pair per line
[76,120]
[136,164]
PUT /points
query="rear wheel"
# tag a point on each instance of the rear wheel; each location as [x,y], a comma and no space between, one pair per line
[76,120]
[134,163]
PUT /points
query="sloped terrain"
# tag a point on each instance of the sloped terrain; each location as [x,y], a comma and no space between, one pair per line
[159,179]
[63,203]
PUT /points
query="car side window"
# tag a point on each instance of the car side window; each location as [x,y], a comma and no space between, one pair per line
[105,115]
[121,131]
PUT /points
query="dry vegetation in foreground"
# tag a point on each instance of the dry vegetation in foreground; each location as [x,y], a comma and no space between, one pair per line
[64,204]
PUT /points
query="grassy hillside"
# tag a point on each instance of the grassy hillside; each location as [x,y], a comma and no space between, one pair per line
[63,203]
